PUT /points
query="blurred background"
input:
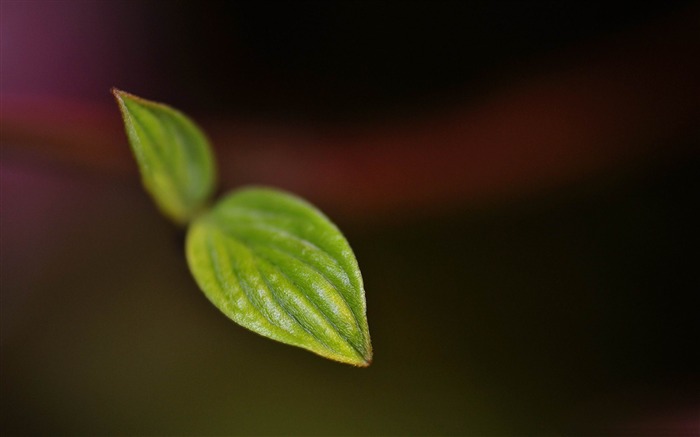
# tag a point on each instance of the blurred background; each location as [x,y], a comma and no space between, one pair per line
[519,182]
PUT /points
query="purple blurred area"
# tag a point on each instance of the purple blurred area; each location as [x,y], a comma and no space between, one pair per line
[518,179]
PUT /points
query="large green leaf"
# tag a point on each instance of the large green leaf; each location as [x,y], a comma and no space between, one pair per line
[176,162]
[276,265]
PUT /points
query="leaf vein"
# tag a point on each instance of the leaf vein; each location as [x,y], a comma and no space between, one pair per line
[313,246]
[340,332]
[284,307]
[222,283]
[312,268]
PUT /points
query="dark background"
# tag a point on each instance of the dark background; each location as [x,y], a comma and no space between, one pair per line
[518,180]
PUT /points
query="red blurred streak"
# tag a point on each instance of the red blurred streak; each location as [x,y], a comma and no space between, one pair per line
[68,132]
[612,105]
[615,107]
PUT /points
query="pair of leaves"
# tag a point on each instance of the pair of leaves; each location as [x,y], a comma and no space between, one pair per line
[268,260]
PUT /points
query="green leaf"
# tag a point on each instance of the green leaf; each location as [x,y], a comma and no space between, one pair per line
[176,162]
[276,265]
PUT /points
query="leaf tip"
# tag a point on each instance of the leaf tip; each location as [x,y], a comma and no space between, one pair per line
[353,360]
[368,357]
[118,94]
[365,363]
[121,96]
[361,360]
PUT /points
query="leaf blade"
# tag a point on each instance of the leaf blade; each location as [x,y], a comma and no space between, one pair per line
[281,249]
[174,157]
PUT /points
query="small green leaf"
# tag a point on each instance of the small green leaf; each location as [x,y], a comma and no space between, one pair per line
[276,265]
[176,162]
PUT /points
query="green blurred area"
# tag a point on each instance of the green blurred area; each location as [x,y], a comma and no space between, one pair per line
[571,312]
